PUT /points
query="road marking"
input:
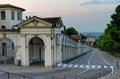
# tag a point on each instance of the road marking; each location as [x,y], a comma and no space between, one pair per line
[87,66]
[81,66]
[111,67]
[105,67]
[70,65]
[76,66]
[90,58]
[84,66]
[59,64]
[112,70]
[99,66]
[93,66]
[103,59]
[64,65]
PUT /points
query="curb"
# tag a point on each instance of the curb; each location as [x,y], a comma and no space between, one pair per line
[113,71]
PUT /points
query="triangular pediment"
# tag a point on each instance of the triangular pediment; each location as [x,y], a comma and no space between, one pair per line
[34,22]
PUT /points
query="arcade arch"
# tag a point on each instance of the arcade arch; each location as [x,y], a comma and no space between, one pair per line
[36,51]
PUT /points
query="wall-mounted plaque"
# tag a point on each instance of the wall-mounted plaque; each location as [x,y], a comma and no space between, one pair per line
[4,35]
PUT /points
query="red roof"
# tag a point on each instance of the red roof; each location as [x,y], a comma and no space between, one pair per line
[52,20]
[77,37]
[10,6]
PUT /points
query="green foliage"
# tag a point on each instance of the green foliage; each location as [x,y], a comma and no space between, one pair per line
[95,44]
[71,31]
[117,10]
[110,41]
[83,36]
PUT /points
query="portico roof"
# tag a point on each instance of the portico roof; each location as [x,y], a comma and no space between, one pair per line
[51,21]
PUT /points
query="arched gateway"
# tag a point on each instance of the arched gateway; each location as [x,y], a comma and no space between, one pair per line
[36,51]
[35,39]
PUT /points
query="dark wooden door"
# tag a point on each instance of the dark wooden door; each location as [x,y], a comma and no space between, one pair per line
[4,49]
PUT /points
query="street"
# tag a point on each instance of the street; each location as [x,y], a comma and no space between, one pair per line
[91,65]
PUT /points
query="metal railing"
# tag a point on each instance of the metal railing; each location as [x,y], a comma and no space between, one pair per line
[6,60]
[9,75]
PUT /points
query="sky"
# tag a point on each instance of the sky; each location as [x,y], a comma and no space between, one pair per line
[83,15]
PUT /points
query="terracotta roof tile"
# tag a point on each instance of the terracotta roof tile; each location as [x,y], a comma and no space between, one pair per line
[52,20]
[77,37]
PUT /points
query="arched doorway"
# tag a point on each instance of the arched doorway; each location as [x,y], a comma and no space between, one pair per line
[36,51]
[6,51]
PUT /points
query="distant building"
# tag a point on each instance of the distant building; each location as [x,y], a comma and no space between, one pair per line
[91,40]
[96,35]
[92,37]
[76,37]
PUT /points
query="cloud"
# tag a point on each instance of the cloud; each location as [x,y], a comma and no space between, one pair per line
[97,2]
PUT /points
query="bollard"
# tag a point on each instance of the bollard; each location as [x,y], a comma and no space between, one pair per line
[52,77]
[23,77]
[64,76]
[76,76]
[8,75]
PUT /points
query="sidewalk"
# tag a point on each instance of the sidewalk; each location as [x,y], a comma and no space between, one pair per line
[116,74]
[21,69]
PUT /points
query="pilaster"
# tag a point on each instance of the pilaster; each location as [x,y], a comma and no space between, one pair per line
[23,52]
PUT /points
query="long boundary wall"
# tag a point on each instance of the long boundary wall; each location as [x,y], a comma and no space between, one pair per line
[68,48]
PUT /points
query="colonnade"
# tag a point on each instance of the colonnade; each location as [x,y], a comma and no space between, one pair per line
[70,48]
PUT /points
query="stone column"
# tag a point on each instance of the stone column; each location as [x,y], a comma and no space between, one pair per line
[24,60]
[54,50]
[59,48]
[48,53]
[78,49]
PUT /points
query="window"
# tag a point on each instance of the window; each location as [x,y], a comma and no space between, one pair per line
[13,46]
[12,15]
[3,27]
[18,16]
[13,26]
[3,15]
[4,48]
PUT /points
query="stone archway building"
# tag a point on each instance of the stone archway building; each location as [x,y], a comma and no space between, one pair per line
[36,39]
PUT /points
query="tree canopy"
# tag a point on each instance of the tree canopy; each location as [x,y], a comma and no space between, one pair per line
[71,31]
[110,40]
[83,36]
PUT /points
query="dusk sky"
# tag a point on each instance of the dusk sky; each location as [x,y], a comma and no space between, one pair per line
[84,15]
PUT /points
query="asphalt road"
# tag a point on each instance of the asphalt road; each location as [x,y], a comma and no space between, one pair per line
[91,65]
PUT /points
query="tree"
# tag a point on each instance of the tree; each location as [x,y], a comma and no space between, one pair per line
[71,31]
[110,41]
[95,44]
[83,36]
